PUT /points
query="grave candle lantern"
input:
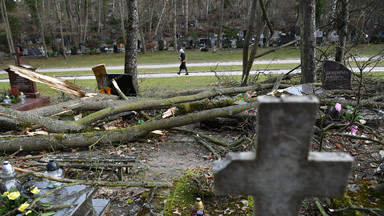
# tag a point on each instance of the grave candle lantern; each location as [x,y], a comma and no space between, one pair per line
[8,177]
[198,207]
[53,169]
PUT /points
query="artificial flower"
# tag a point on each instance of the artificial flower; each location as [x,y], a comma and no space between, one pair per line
[14,195]
[353,129]
[338,107]
[23,207]
[108,90]
[102,91]
[5,193]
[35,190]
[28,212]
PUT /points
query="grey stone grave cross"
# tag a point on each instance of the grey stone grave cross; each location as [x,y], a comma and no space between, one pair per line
[283,171]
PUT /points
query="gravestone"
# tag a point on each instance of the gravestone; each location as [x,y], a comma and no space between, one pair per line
[78,195]
[335,76]
[20,84]
[282,172]
[162,44]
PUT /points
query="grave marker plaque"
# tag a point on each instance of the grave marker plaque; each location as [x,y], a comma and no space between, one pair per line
[283,172]
[335,76]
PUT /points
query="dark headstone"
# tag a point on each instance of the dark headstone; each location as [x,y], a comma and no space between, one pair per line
[20,84]
[161,45]
[208,43]
[335,76]
[124,81]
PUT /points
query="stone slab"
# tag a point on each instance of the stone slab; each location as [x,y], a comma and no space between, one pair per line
[31,103]
[79,194]
[335,76]
[101,206]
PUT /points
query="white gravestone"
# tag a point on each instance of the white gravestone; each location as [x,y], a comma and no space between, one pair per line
[283,171]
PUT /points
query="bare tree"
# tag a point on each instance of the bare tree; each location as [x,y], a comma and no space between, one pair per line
[308,41]
[248,58]
[221,14]
[58,14]
[174,26]
[342,21]
[41,24]
[8,31]
[122,18]
[186,17]
[131,46]
[161,17]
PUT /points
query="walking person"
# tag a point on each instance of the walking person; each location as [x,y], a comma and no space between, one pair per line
[183,61]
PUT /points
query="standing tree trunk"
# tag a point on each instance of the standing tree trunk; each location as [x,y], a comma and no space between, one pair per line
[58,13]
[74,38]
[308,39]
[7,26]
[42,26]
[150,24]
[249,59]
[174,26]
[251,19]
[221,15]
[131,47]
[141,29]
[343,21]
[99,16]
[86,10]
[161,17]
[122,5]
[186,18]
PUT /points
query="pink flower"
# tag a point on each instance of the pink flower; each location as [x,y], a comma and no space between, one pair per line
[338,107]
[353,129]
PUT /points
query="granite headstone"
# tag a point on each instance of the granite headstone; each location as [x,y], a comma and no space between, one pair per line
[335,76]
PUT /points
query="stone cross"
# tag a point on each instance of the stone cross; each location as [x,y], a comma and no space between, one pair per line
[283,171]
[18,55]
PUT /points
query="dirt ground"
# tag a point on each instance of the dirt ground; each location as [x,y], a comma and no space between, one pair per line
[158,161]
[167,159]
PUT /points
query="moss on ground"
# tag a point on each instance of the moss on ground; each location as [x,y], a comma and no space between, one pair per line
[198,182]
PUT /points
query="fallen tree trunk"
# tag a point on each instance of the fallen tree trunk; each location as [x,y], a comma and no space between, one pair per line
[58,126]
[62,141]
[52,125]
[140,105]
[7,124]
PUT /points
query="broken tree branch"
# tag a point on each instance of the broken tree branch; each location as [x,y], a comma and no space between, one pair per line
[62,141]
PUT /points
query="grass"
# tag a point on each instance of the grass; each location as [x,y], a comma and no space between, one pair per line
[165,57]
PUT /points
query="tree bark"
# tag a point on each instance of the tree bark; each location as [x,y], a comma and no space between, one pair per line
[131,47]
[343,21]
[308,39]
[62,141]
